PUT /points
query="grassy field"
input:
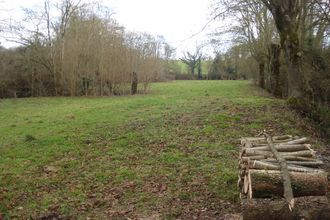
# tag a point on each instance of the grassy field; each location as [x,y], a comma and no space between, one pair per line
[169,154]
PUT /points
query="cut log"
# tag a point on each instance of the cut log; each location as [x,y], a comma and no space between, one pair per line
[284,148]
[310,207]
[254,139]
[263,165]
[275,138]
[304,153]
[298,141]
[249,187]
[259,157]
[313,163]
[282,137]
[266,184]
[298,158]
[287,157]
[260,143]
[251,152]
[246,143]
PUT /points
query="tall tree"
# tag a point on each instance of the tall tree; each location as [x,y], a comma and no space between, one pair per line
[287,15]
[191,60]
[194,60]
[253,27]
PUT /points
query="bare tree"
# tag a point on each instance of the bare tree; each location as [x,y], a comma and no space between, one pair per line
[253,27]
[193,61]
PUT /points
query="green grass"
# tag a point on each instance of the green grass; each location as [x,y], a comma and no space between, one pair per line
[171,153]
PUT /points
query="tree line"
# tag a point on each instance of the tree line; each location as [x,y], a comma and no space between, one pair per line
[74,49]
[287,42]
[231,65]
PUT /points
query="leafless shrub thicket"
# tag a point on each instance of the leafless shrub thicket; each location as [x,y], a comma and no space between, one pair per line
[73,49]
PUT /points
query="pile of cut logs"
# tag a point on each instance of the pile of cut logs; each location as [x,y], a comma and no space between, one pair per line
[280,168]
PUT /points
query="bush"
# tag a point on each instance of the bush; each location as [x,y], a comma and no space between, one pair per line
[319,113]
[184,76]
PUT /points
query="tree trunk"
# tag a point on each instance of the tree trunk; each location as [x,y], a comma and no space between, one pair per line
[199,69]
[192,70]
[286,14]
[295,75]
[101,84]
[134,83]
[32,82]
[109,84]
[262,74]
[288,29]
[275,52]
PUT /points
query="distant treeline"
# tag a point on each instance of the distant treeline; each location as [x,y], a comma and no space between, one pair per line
[221,67]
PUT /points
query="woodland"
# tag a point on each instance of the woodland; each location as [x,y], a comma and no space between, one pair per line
[100,122]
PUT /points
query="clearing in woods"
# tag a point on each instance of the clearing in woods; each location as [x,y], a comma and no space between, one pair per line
[169,154]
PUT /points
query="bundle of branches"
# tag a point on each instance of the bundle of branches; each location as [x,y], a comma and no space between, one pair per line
[280,168]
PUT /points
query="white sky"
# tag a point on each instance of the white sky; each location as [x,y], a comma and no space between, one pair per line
[176,20]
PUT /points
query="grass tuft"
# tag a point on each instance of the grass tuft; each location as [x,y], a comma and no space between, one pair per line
[29,138]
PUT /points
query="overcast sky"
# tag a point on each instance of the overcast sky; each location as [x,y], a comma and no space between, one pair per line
[176,20]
